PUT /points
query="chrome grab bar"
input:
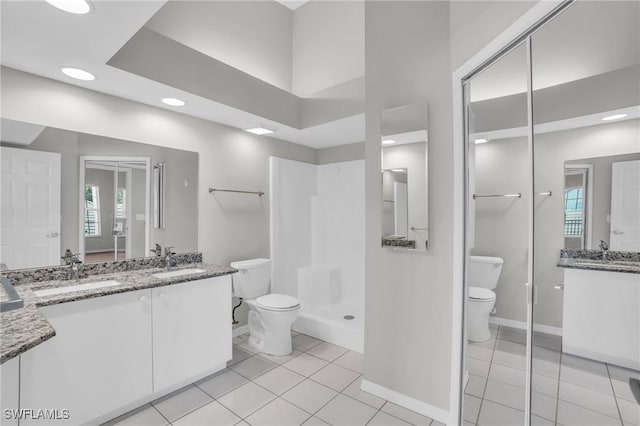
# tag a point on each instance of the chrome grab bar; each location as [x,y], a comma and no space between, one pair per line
[258,193]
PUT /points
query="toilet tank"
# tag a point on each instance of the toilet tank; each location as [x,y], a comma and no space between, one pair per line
[484,271]
[252,279]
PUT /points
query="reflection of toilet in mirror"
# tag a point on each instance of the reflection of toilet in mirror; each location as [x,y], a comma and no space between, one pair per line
[484,273]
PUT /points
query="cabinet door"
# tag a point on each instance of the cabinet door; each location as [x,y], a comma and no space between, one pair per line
[10,379]
[98,361]
[191,329]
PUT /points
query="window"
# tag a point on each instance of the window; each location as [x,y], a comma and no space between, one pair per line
[121,203]
[573,211]
[91,211]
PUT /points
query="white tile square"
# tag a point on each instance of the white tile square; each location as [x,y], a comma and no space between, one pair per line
[471,408]
[279,380]
[511,376]
[622,390]
[406,414]
[246,399]
[479,352]
[327,351]
[586,373]
[309,395]
[630,412]
[478,367]
[222,382]
[545,385]
[475,386]
[544,406]
[279,359]
[588,398]
[539,421]
[181,402]
[214,414]
[345,411]
[573,415]
[305,364]
[239,354]
[243,342]
[278,413]
[354,390]
[314,421]
[335,377]
[303,343]
[351,360]
[492,414]
[383,419]
[143,416]
[253,367]
[505,394]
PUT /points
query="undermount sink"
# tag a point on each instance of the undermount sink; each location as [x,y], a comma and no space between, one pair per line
[178,273]
[79,287]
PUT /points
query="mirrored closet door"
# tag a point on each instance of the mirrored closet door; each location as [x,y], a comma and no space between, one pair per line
[553,224]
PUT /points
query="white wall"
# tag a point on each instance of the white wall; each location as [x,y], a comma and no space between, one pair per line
[328,45]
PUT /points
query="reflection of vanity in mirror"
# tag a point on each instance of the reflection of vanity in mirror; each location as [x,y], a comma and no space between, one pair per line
[94,196]
[405,220]
[598,205]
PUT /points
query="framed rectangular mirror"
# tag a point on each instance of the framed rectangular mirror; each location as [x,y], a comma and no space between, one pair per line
[405,182]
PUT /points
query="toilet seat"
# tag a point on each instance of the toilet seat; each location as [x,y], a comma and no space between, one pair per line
[481,294]
[277,302]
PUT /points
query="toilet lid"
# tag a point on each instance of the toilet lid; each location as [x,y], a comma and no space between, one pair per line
[277,302]
[479,293]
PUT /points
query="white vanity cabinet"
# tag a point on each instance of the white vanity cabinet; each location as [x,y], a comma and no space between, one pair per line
[10,380]
[601,319]
[191,330]
[98,361]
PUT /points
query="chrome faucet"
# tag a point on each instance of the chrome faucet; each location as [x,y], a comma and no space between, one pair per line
[168,257]
[604,248]
[157,250]
[72,260]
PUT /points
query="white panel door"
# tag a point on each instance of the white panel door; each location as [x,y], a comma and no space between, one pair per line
[30,216]
[98,361]
[191,330]
[625,206]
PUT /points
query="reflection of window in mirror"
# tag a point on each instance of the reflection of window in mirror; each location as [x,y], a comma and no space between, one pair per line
[92,211]
[574,208]
[121,203]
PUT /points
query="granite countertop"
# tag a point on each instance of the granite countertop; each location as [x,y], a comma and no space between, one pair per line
[22,329]
[616,261]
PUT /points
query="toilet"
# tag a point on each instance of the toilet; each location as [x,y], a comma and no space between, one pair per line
[484,273]
[270,315]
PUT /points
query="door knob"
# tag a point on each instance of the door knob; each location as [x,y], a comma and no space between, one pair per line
[52,235]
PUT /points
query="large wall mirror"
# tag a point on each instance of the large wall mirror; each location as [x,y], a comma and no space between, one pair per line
[405,189]
[92,195]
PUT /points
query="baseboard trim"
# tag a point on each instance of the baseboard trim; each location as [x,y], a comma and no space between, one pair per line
[556,331]
[240,330]
[406,401]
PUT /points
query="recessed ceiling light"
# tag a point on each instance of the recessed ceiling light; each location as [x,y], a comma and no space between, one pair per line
[259,131]
[481,140]
[388,142]
[173,101]
[398,170]
[78,74]
[614,117]
[77,7]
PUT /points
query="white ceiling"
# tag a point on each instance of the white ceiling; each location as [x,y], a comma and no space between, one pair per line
[89,41]
[292,4]
[568,48]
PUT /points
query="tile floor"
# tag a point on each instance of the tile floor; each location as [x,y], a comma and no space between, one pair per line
[318,384]
[567,390]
